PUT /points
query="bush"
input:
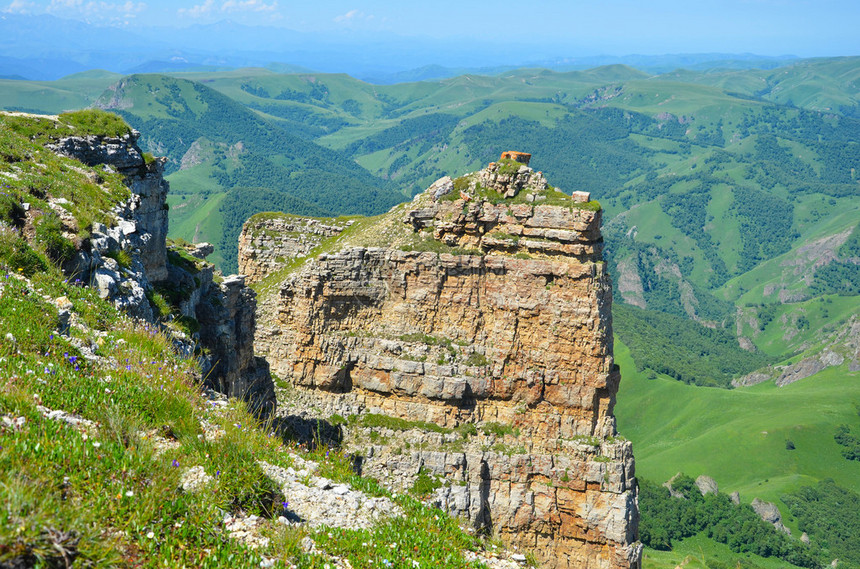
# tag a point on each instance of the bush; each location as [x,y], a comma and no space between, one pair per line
[11,211]
[424,484]
[122,258]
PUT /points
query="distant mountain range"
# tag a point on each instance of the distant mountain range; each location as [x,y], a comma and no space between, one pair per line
[45,47]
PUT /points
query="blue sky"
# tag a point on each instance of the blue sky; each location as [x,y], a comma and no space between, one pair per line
[617,27]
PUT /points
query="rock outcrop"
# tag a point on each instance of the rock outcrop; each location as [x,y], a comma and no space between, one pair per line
[271,241]
[769,513]
[129,262]
[486,313]
[144,216]
[707,485]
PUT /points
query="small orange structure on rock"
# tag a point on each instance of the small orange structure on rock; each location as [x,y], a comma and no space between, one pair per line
[521,157]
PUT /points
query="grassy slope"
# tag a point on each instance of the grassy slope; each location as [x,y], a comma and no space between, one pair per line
[699,552]
[738,436]
[825,314]
[107,490]
[73,92]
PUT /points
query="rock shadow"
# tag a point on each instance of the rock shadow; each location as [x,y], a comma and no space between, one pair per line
[307,432]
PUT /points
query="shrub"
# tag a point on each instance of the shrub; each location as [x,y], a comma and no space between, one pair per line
[424,484]
[11,211]
[122,258]
[476,359]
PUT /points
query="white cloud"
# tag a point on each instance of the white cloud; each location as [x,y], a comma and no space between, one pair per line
[58,5]
[248,6]
[198,11]
[209,7]
[353,16]
[106,11]
[19,7]
[91,11]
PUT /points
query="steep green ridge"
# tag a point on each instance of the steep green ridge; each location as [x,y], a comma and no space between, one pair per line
[233,148]
[683,349]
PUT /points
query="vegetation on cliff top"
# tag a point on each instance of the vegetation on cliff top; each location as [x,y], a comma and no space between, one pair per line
[30,175]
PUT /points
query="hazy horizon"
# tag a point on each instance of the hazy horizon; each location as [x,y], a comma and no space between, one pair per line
[548,28]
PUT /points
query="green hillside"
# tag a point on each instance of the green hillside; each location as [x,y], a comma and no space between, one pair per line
[730,218]
[763,442]
[51,97]
[216,146]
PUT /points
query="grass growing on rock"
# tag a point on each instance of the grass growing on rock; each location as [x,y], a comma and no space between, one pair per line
[101,422]
[30,174]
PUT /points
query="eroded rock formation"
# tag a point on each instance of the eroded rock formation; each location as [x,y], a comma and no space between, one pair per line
[129,261]
[488,307]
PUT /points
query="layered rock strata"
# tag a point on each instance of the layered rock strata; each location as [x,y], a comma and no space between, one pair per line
[271,241]
[488,316]
[225,310]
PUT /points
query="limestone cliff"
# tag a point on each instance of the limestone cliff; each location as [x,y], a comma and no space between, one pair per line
[269,245]
[482,306]
[130,261]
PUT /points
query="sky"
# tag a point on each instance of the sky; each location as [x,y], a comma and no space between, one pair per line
[805,28]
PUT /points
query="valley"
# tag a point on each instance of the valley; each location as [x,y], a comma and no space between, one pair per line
[730,225]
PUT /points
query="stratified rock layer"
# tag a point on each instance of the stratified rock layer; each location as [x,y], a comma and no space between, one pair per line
[270,244]
[516,334]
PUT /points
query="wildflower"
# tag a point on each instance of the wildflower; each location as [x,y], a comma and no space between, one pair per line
[175,463]
[129,493]
[150,535]
[96,444]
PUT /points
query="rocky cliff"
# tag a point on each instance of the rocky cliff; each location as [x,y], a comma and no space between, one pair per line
[477,319]
[130,264]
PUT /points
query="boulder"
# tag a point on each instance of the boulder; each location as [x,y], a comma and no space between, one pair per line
[706,485]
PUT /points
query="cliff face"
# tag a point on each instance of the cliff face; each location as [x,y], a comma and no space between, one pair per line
[129,261]
[491,307]
[267,246]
